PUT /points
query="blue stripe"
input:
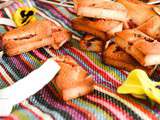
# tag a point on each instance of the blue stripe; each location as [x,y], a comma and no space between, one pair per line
[45,109]
[9,69]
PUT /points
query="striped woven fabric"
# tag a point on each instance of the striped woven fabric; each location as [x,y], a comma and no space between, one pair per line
[46,105]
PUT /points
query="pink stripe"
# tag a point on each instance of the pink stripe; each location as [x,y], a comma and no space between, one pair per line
[19,65]
[19,4]
[16,6]
[14,117]
[40,55]
[119,113]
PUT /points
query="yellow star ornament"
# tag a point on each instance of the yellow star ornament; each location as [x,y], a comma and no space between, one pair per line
[140,85]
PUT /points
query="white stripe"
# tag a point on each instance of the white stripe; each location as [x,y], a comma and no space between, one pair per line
[36,110]
[8,13]
[6,21]
[3,72]
[49,52]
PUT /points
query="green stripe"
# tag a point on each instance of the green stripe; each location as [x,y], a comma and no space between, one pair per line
[95,110]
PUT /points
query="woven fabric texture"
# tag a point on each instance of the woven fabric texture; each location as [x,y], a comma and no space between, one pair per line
[46,105]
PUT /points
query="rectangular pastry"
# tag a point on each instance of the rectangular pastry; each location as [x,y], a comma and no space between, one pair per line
[143,48]
[99,24]
[102,28]
[151,27]
[138,12]
[80,26]
[34,35]
[101,9]
[115,56]
[92,43]
[72,81]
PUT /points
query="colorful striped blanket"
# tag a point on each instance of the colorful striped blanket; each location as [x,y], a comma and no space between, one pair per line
[45,105]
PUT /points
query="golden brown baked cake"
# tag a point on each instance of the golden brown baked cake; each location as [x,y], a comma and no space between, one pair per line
[115,56]
[151,27]
[34,35]
[80,26]
[102,28]
[92,43]
[143,48]
[99,24]
[101,9]
[72,80]
[138,12]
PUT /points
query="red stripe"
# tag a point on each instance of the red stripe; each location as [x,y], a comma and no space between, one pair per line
[53,91]
[40,55]
[7,118]
[27,63]
[123,72]
[54,52]
[22,61]
[3,78]
[1,14]
[131,101]
[101,106]
[8,73]
[71,11]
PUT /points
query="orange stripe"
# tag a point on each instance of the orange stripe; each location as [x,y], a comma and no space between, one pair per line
[26,62]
